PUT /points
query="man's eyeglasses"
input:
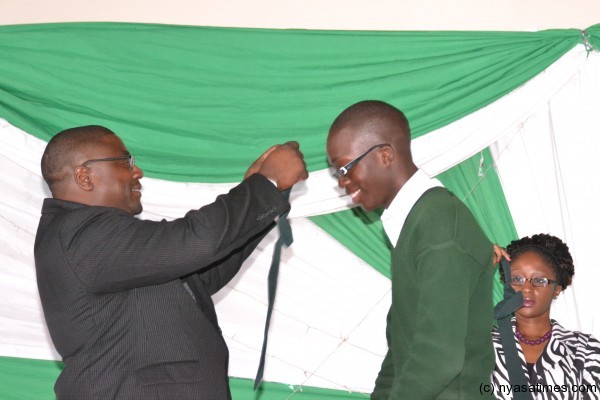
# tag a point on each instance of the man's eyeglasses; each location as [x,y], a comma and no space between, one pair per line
[128,158]
[535,282]
[343,171]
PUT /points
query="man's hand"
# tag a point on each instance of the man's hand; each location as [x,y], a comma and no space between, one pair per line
[259,161]
[498,253]
[283,164]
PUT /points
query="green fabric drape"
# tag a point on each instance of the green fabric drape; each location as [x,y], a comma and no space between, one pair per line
[199,104]
[26,379]
[362,233]
[593,36]
[485,197]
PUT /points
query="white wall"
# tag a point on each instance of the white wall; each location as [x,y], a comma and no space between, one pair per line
[489,15]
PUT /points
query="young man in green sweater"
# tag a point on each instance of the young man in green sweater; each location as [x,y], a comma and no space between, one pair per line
[439,323]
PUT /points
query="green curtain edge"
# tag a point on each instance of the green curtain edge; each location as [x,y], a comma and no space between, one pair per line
[30,379]
[186,167]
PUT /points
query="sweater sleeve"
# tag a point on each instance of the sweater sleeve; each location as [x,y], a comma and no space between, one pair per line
[385,378]
[437,352]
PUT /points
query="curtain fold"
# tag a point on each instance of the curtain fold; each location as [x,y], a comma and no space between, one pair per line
[199,104]
[593,36]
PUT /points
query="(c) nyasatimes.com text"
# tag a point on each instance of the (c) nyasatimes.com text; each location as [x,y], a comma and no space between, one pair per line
[490,388]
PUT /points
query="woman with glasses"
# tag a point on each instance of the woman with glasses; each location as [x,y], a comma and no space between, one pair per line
[557,363]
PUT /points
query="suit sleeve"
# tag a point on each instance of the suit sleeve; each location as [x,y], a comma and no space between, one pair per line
[216,277]
[111,251]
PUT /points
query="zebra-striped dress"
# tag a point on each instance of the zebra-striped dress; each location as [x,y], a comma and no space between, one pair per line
[568,368]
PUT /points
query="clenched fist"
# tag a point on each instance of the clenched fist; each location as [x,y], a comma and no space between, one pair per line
[283,164]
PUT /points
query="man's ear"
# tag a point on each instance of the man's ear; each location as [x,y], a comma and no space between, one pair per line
[387,155]
[82,179]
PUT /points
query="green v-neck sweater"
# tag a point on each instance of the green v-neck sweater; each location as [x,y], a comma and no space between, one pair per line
[439,324]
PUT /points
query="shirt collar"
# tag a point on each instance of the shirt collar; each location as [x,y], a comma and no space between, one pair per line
[394,216]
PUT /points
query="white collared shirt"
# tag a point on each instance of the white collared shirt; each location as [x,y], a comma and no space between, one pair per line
[394,216]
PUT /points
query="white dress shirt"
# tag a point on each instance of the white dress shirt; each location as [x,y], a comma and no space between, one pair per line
[394,216]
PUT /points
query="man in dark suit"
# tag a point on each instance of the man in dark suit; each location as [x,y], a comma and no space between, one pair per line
[127,301]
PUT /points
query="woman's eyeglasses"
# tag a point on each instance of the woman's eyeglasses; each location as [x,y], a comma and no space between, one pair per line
[535,282]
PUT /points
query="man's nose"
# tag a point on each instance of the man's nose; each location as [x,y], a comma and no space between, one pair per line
[343,181]
[137,172]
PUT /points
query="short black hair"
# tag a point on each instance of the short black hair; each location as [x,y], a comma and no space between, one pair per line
[62,148]
[554,251]
[366,113]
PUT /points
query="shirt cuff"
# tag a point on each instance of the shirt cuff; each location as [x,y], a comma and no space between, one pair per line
[273,181]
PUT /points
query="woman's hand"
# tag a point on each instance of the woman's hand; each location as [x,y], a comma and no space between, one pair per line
[498,253]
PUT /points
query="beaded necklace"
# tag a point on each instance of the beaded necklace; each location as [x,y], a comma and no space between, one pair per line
[541,340]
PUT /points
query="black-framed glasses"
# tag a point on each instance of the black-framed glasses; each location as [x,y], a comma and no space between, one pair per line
[123,158]
[343,171]
[535,282]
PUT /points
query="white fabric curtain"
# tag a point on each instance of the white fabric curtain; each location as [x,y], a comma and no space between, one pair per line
[331,306]
[549,171]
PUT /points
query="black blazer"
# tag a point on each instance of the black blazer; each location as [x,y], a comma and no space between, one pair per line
[116,308]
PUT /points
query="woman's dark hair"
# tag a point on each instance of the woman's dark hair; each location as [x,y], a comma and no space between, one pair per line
[551,249]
